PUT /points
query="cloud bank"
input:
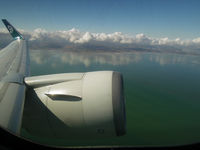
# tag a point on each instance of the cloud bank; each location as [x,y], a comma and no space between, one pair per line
[74,40]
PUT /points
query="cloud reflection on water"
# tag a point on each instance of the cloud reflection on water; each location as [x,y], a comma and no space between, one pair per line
[87,59]
[165,59]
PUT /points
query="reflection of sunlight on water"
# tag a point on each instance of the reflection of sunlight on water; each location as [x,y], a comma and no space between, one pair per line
[42,57]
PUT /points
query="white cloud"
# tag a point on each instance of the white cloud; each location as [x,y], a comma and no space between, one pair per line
[41,38]
[38,34]
[3,30]
[197,40]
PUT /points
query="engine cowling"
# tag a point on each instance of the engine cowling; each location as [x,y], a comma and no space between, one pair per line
[75,105]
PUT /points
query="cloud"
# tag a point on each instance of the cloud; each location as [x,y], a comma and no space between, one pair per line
[74,40]
[197,40]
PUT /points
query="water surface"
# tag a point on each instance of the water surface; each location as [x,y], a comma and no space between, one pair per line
[162,94]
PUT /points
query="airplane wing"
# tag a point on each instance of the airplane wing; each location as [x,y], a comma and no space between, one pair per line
[65,105]
[14,66]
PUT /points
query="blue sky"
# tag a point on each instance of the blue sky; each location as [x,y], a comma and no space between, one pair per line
[155,18]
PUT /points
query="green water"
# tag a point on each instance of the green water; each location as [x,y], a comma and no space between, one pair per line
[162,94]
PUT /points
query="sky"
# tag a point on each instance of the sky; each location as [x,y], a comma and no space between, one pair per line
[107,24]
[156,18]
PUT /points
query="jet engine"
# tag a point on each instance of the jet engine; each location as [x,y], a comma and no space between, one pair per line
[75,105]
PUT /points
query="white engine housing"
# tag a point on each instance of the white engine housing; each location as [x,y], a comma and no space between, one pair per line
[75,105]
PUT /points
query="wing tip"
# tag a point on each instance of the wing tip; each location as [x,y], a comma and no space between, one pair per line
[13,32]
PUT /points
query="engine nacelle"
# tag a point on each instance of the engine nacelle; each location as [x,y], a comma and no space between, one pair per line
[75,105]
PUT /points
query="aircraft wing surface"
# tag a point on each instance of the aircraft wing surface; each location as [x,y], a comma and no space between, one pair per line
[13,68]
